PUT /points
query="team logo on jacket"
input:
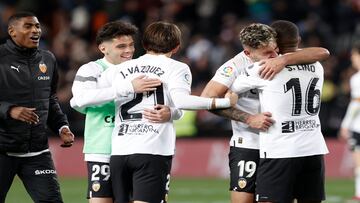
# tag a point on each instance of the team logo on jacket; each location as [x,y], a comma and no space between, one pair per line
[43,67]
[242,183]
[96,186]
[227,71]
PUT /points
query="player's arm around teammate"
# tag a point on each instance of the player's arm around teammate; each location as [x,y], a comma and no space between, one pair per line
[223,79]
[94,98]
[142,151]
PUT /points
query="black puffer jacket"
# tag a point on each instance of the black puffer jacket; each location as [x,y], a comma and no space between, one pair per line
[28,77]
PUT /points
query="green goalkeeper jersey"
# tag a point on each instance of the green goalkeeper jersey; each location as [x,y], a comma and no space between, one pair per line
[99,123]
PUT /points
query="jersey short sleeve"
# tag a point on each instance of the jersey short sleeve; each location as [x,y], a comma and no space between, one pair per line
[234,67]
[180,78]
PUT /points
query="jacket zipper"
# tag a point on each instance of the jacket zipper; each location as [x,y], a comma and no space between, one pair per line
[32,98]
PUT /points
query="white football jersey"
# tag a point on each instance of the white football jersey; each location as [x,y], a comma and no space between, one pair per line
[243,136]
[293,98]
[355,93]
[132,133]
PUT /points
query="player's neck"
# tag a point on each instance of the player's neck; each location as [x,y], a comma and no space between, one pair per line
[285,50]
[155,53]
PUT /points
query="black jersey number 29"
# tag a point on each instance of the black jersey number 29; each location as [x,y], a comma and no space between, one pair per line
[312,97]
[157,94]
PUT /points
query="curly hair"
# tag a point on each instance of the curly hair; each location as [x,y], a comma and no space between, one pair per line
[257,35]
[115,29]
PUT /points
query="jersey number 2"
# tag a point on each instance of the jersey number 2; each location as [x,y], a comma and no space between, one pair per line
[158,95]
[312,96]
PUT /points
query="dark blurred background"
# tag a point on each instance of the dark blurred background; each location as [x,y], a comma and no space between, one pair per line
[210,37]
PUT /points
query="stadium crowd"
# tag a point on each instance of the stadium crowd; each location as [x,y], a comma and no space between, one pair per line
[210,37]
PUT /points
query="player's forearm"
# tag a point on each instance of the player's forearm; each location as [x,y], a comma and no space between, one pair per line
[185,101]
[85,98]
[232,114]
[244,83]
[306,55]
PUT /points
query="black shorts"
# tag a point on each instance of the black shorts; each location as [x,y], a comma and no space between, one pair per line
[141,177]
[37,174]
[99,182]
[282,180]
[354,141]
[243,166]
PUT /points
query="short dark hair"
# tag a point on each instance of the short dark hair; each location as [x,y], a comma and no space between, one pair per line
[287,34]
[114,29]
[18,16]
[257,35]
[161,37]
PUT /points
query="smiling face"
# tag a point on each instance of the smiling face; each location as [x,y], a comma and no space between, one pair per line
[119,49]
[25,32]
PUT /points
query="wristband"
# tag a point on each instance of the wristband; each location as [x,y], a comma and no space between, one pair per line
[221,103]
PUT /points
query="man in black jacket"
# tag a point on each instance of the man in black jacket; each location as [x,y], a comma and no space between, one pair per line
[28,106]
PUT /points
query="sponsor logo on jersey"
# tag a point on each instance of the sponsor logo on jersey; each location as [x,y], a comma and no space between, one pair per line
[109,119]
[242,183]
[227,71]
[304,125]
[45,171]
[96,186]
[45,77]
[287,127]
[137,129]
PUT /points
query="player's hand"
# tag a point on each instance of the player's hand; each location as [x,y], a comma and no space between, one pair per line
[270,67]
[24,114]
[143,84]
[233,97]
[261,121]
[67,137]
[344,134]
[160,114]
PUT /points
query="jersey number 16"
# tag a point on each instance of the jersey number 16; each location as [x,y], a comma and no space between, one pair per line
[312,96]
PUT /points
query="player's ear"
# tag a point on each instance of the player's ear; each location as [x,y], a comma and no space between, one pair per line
[102,48]
[247,52]
[11,31]
[299,41]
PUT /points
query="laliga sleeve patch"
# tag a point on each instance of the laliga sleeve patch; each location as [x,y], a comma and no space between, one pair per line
[227,71]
